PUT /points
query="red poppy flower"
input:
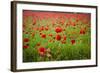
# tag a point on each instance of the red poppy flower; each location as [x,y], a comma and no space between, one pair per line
[25,46]
[73,42]
[64,38]
[82,31]
[41,28]
[42,51]
[26,40]
[58,37]
[58,29]
[43,35]
[73,24]
[46,28]
[50,35]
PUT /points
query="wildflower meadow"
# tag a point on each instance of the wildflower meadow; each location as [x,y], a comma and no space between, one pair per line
[56,36]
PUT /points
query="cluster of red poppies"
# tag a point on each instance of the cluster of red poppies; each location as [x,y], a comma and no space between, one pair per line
[58,36]
[26,40]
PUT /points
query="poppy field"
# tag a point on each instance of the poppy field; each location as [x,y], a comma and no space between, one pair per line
[56,36]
